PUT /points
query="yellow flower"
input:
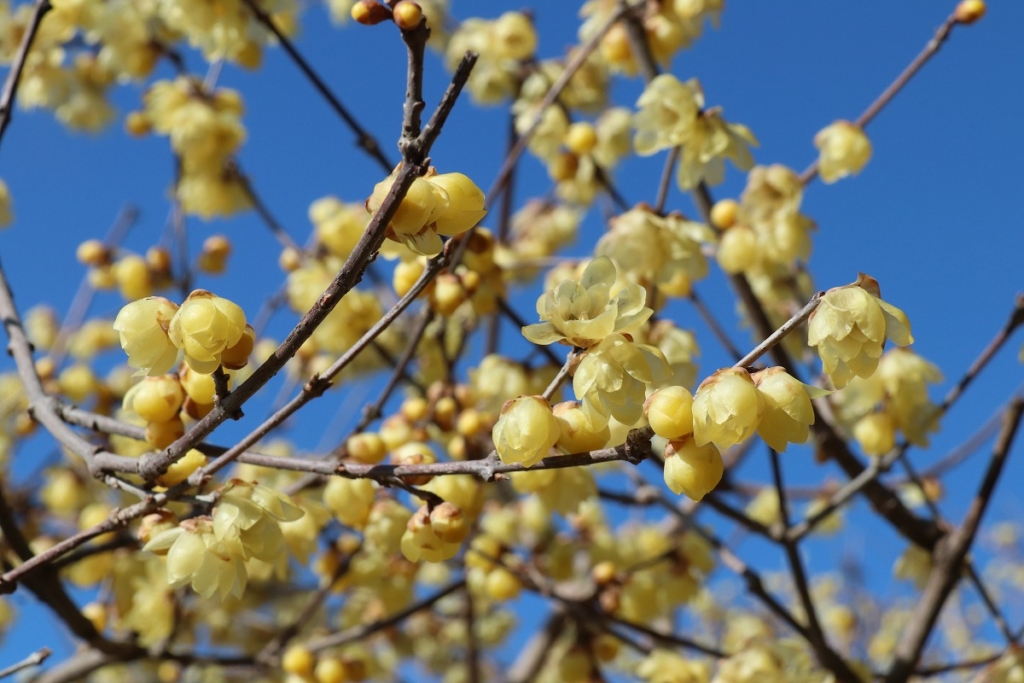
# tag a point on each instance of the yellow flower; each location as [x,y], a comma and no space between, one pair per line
[667,116]
[712,142]
[665,666]
[447,204]
[143,329]
[205,327]
[583,313]
[526,431]
[196,557]
[577,434]
[844,150]
[670,412]
[692,470]
[612,379]
[850,326]
[788,411]
[727,408]
[246,519]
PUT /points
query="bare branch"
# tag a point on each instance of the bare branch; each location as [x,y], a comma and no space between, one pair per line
[10,90]
[34,659]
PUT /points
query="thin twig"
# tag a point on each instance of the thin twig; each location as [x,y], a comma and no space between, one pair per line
[364,140]
[941,34]
[7,99]
[34,659]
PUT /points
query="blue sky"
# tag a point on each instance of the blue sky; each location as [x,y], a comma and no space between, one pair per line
[935,216]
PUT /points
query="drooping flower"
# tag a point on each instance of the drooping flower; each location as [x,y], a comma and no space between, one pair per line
[849,329]
[692,470]
[143,329]
[788,411]
[844,150]
[204,327]
[667,116]
[613,376]
[727,408]
[526,430]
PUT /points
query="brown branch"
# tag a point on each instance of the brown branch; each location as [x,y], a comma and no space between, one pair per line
[356,633]
[778,335]
[716,328]
[574,64]
[666,180]
[155,464]
[10,90]
[933,45]
[948,558]
[364,140]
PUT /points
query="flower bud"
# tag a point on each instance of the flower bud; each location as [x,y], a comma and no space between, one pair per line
[465,203]
[407,15]
[204,327]
[726,409]
[525,431]
[876,434]
[692,470]
[577,432]
[581,138]
[969,11]
[370,12]
[670,412]
[449,523]
[143,329]
[737,249]
[724,213]
[157,399]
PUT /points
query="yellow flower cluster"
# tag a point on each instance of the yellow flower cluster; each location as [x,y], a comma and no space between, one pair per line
[502,44]
[227,29]
[448,204]
[209,329]
[672,114]
[894,398]
[206,131]
[657,251]
[434,535]
[668,27]
[849,329]
[211,553]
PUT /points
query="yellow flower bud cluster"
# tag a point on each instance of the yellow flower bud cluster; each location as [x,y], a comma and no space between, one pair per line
[770,660]
[843,149]
[210,553]
[663,251]
[448,204]
[356,313]
[502,44]
[668,27]
[538,230]
[765,231]
[672,114]
[209,329]
[895,398]
[434,535]
[850,327]
[206,131]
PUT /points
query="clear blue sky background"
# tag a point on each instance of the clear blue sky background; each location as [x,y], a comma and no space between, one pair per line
[935,217]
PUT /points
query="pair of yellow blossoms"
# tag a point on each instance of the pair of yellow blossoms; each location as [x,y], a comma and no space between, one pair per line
[210,330]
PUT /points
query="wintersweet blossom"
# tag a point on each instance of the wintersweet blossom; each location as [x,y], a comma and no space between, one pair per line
[143,329]
[691,469]
[583,313]
[727,408]
[204,327]
[526,430]
[788,411]
[612,379]
[849,329]
[843,148]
